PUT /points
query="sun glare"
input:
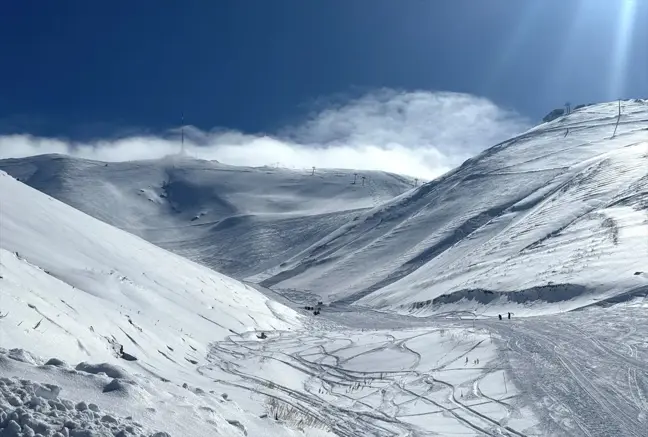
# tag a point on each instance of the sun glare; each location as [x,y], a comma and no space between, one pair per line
[623,47]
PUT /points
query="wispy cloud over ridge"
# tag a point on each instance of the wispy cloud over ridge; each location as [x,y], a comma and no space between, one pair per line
[421,134]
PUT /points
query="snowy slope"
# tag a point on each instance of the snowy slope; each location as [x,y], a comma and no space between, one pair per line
[75,288]
[557,213]
[545,207]
[200,209]
[72,289]
[133,285]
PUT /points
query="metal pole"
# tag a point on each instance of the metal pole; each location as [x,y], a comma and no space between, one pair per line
[182,150]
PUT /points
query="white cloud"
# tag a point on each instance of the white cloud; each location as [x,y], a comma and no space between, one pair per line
[421,134]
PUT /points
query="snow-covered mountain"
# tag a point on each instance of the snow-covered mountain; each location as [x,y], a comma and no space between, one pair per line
[74,290]
[555,219]
[559,212]
[77,289]
[238,220]
[97,284]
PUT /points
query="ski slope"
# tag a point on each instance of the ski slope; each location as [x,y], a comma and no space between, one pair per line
[564,244]
[76,289]
[557,214]
[200,209]
[585,373]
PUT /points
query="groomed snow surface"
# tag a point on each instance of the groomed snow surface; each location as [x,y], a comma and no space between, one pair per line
[551,226]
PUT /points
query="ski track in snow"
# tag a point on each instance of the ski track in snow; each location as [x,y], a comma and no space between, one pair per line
[583,373]
[352,399]
[579,373]
[584,376]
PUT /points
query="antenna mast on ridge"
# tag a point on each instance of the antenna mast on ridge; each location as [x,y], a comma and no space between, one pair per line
[182,149]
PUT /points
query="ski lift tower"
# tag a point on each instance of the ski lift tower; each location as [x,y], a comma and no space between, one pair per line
[182,147]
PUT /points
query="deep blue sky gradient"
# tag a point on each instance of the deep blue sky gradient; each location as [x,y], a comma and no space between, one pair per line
[89,68]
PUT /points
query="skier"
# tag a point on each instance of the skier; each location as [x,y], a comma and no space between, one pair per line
[509,316]
[500,316]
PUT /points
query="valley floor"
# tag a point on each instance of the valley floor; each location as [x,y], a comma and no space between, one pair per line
[585,372]
[356,372]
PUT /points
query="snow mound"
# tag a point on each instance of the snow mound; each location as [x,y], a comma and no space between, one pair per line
[108,369]
[118,385]
[56,362]
[22,356]
[29,409]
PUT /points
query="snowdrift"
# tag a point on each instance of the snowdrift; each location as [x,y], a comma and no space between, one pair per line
[564,204]
[201,209]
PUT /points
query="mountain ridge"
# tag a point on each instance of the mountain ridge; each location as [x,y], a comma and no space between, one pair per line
[199,208]
[392,246]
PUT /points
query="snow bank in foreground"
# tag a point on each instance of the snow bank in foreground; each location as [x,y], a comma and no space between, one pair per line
[29,408]
[50,398]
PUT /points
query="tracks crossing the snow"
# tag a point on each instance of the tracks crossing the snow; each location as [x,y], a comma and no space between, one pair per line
[374,383]
[569,375]
[584,379]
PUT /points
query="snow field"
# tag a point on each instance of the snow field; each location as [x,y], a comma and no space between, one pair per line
[584,373]
[49,398]
[372,382]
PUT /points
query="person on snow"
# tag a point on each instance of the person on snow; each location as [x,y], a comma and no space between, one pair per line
[509,315]
[500,316]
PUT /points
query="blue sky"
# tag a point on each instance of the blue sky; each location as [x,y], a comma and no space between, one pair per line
[86,70]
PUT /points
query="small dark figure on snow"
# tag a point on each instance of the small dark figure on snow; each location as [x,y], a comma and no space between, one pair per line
[509,316]
[121,350]
[500,316]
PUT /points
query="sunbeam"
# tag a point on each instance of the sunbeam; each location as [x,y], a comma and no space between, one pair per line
[624,38]
[518,37]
